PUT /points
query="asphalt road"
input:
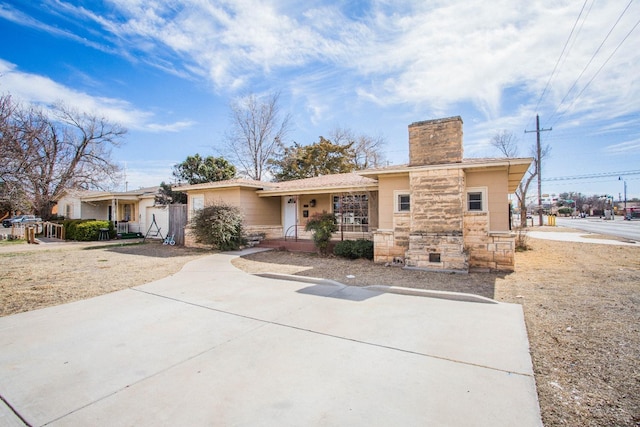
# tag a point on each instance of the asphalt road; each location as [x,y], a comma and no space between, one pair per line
[618,227]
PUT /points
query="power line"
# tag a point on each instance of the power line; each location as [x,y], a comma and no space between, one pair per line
[589,63]
[544,91]
[599,69]
[593,175]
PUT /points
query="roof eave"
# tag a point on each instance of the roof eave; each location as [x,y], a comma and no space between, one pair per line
[318,190]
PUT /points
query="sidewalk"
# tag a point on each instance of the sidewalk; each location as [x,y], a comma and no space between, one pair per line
[212,345]
[569,236]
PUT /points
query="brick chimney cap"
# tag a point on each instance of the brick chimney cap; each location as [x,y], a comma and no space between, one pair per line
[436,121]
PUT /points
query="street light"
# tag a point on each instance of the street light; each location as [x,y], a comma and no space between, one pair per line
[625,193]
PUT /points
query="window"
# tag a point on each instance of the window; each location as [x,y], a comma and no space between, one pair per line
[352,212]
[197,203]
[127,212]
[477,200]
[403,201]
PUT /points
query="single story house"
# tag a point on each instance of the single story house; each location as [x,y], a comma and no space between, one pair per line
[438,212]
[131,211]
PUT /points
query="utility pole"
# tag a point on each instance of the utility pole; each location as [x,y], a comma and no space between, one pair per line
[539,164]
[625,193]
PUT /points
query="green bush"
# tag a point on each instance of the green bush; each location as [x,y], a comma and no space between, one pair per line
[86,229]
[344,249]
[565,211]
[89,230]
[323,225]
[354,249]
[70,228]
[219,226]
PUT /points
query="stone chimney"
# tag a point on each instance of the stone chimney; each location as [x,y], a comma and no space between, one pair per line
[436,239]
[434,142]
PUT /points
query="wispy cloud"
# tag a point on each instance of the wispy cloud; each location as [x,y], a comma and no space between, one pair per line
[435,55]
[624,148]
[42,90]
[16,16]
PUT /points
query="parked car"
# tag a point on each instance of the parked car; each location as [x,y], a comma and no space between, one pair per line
[20,219]
[6,223]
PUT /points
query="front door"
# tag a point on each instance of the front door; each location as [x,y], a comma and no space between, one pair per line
[289,216]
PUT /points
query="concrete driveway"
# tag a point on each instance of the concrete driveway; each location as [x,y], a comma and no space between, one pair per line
[212,345]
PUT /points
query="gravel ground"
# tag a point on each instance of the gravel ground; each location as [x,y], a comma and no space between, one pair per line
[581,305]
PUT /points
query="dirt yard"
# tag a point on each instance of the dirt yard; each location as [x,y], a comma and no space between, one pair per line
[581,305]
[34,277]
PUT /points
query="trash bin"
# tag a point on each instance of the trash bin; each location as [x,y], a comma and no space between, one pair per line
[104,234]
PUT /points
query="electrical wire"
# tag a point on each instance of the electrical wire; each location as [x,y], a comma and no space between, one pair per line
[598,72]
[544,91]
[593,56]
[593,175]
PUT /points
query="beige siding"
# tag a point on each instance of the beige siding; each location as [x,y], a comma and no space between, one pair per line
[259,210]
[322,204]
[229,196]
[256,210]
[497,192]
[386,187]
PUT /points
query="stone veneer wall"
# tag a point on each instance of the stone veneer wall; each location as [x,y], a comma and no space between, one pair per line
[391,245]
[436,220]
[487,250]
[435,142]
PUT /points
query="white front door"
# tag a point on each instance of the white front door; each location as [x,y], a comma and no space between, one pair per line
[289,216]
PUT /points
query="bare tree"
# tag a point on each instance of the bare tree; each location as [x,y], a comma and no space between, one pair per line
[368,149]
[507,144]
[257,131]
[47,154]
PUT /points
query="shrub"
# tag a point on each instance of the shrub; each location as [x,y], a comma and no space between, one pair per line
[354,249]
[90,230]
[323,225]
[344,249]
[86,229]
[565,211]
[219,226]
[522,240]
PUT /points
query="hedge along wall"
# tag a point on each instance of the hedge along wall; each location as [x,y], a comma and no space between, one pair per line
[86,229]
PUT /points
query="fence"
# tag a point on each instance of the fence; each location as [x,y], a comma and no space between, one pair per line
[51,230]
[177,222]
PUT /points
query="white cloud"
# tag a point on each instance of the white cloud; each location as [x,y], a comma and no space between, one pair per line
[33,88]
[437,53]
[145,173]
[433,55]
[624,148]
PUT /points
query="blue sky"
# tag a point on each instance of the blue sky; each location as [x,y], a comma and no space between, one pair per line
[167,70]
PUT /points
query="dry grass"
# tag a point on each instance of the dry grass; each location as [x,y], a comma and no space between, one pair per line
[581,305]
[40,278]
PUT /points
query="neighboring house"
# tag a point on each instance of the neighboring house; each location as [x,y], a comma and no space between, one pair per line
[131,211]
[439,212]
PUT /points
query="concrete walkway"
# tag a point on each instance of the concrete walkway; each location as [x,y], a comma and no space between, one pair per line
[581,237]
[212,345]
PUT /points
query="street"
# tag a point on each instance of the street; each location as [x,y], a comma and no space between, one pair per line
[618,227]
